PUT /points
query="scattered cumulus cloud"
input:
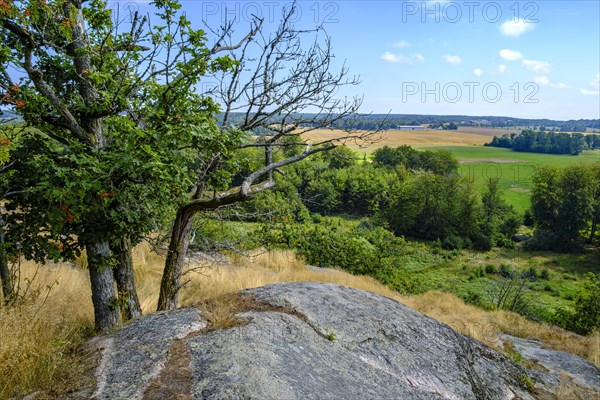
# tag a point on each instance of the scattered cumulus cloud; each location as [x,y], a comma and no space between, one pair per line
[389,57]
[516,27]
[544,81]
[402,44]
[510,55]
[452,59]
[594,92]
[401,58]
[502,68]
[539,67]
[417,57]
[587,92]
[478,72]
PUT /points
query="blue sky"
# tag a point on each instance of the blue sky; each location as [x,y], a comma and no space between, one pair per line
[508,58]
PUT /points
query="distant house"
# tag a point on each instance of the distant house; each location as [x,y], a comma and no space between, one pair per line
[411,128]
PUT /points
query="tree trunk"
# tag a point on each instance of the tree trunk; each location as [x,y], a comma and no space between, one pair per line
[123,274]
[104,296]
[5,276]
[180,240]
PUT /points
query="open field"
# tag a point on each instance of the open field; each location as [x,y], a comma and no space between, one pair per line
[491,132]
[515,169]
[394,138]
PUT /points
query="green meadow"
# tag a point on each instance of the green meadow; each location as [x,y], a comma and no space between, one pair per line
[515,169]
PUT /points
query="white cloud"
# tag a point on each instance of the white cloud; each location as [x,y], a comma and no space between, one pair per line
[478,72]
[544,81]
[586,92]
[401,58]
[401,44]
[539,67]
[389,57]
[510,55]
[516,28]
[417,57]
[596,82]
[452,59]
[502,68]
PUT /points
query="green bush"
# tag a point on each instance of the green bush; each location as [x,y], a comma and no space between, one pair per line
[585,317]
[453,242]
[491,269]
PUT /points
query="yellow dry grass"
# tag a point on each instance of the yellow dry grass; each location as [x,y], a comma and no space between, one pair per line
[487,131]
[394,138]
[38,338]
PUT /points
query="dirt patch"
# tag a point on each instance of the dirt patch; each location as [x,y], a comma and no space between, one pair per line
[488,160]
[222,312]
[175,380]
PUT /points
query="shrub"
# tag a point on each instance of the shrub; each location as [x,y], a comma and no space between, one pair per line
[483,242]
[585,317]
[532,273]
[453,242]
[491,269]
[505,270]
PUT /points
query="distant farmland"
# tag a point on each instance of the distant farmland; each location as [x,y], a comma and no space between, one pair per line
[394,138]
[491,132]
[515,169]
[478,163]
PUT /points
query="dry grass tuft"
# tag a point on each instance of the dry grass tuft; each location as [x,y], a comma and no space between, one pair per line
[39,336]
[485,326]
[37,339]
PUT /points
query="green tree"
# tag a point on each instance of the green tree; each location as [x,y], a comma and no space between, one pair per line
[6,280]
[499,221]
[563,206]
[117,127]
[274,82]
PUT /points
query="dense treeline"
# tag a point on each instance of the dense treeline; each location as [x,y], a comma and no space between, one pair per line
[412,193]
[392,121]
[547,142]
[565,207]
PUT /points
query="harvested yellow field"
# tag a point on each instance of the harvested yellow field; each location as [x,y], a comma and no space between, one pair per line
[394,138]
[488,131]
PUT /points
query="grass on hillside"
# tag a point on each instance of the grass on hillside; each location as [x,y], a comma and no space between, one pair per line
[41,339]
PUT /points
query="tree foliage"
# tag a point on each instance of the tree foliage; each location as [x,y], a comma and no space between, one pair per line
[564,207]
[115,127]
[547,142]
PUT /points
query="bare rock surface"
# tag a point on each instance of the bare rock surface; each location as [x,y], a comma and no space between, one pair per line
[306,341]
[557,363]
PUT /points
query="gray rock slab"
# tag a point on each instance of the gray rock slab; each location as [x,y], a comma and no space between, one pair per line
[133,356]
[308,341]
[347,344]
[558,362]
